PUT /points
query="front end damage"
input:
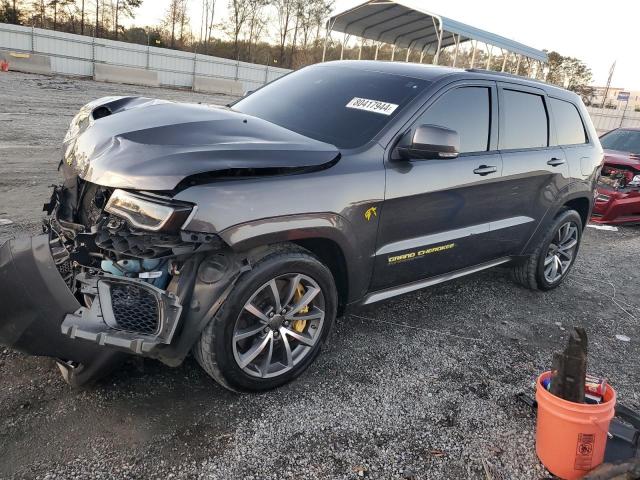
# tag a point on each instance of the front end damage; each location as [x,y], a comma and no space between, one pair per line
[618,198]
[119,269]
[95,286]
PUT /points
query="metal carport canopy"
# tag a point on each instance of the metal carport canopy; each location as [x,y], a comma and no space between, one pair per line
[397,23]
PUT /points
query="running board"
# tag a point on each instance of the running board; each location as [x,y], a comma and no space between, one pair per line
[410,287]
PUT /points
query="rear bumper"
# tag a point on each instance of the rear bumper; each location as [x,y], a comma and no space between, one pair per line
[616,207]
[35,300]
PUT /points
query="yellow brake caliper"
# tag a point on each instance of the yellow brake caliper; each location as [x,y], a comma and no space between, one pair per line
[298,325]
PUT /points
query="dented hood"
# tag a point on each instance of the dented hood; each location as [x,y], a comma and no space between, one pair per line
[146,144]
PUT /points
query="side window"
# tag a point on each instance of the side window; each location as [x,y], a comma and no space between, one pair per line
[568,123]
[525,123]
[467,110]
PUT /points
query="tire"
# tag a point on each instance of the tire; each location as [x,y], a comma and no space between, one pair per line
[531,272]
[223,358]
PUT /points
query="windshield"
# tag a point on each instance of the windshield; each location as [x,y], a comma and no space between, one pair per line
[341,106]
[622,140]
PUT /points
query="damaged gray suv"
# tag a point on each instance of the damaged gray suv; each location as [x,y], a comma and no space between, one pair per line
[239,233]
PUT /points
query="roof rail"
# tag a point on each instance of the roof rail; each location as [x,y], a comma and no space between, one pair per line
[505,74]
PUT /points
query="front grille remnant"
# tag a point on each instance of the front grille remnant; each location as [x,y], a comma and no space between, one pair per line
[135,309]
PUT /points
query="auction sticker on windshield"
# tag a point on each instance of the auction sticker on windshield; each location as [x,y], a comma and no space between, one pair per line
[372,105]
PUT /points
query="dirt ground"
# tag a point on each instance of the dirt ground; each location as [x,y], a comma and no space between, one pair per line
[422,386]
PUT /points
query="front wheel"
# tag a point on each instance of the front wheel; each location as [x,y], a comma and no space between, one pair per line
[272,325]
[554,256]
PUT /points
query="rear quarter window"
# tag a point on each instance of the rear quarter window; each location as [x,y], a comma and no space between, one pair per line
[525,123]
[569,126]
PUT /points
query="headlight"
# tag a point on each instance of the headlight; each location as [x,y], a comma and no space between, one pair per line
[148,213]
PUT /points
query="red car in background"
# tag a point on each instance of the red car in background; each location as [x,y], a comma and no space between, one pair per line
[618,200]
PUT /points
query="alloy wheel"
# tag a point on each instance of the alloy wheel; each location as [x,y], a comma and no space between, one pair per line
[279,325]
[561,252]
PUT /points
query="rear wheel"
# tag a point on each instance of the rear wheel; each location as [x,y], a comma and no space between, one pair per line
[555,254]
[272,325]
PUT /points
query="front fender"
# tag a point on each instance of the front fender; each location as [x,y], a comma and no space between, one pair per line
[290,228]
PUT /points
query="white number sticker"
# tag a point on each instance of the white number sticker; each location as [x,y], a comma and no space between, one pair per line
[374,106]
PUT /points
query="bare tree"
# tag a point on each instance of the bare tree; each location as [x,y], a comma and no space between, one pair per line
[313,14]
[175,18]
[239,13]
[256,24]
[184,20]
[124,7]
[286,13]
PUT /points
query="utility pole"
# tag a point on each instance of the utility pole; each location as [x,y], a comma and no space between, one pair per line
[97,14]
[606,90]
[82,20]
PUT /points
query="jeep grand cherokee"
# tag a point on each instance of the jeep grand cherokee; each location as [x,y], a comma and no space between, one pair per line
[239,233]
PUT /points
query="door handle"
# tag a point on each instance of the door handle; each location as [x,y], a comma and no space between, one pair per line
[485,170]
[554,162]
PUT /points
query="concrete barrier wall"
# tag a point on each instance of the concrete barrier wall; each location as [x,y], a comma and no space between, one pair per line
[218,85]
[126,75]
[27,62]
[605,119]
[72,54]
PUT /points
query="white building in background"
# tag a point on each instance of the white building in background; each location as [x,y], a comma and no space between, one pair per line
[612,98]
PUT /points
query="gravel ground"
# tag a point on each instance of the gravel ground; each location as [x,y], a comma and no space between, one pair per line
[422,386]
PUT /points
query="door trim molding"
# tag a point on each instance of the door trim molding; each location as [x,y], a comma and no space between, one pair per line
[446,236]
[420,284]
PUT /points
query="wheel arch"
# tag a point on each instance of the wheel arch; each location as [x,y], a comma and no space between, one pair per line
[330,254]
[575,197]
[581,205]
[328,236]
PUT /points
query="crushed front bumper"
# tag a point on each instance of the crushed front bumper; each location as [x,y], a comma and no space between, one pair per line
[125,313]
[616,207]
[35,300]
[41,316]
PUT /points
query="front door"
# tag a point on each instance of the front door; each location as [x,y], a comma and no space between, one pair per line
[437,214]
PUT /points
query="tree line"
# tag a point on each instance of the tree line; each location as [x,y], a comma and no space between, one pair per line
[285,33]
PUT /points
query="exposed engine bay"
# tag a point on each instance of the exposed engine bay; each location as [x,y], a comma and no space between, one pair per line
[91,239]
[122,255]
[619,177]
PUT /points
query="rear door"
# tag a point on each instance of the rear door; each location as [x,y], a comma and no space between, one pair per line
[437,213]
[571,135]
[535,169]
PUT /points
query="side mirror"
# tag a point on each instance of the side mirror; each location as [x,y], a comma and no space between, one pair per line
[431,142]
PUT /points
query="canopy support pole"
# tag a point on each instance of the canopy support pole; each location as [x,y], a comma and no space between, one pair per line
[518,64]
[408,53]
[438,29]
[504,59]
[377,48]
[455,54]
[360,49]
[490,49]
[393,52]
[473,55]
[344,40]
[326,38]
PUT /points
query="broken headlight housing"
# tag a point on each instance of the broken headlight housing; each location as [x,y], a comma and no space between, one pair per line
[148,212]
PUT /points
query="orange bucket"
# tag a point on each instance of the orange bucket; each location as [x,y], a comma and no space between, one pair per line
[571,437]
